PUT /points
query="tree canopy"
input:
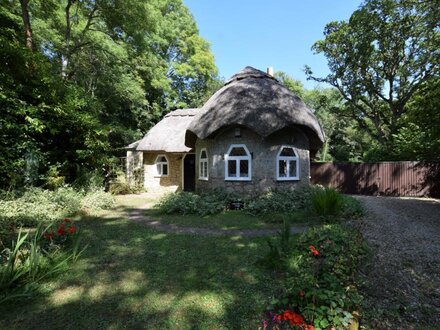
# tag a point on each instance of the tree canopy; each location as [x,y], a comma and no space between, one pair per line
[380,59]
[79,79]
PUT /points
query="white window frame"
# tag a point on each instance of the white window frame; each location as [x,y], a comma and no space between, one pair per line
[237,163]
[203,161]
[287,159]
[156,162]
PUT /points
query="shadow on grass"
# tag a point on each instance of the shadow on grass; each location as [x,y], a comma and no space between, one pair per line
[131,276]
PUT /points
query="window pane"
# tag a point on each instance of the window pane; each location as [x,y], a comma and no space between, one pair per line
[159,169]
[162,159]
[244,168]
[287,152]
[232,168]
[292,168]
[203,155]
[238,151]
[282,168]
[205,166]
[164,169]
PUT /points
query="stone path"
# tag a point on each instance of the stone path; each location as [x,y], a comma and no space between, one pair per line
[139,216]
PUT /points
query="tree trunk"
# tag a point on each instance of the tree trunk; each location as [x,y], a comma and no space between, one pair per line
[27,24]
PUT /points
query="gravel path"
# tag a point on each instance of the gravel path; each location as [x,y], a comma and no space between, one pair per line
[138,216]
[403,279]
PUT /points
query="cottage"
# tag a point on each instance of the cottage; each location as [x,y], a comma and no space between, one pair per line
[251,135]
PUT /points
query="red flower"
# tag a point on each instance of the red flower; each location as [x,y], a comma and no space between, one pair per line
[301,294]
[308,327]
[48,235]
[67,220]
[293,318]
[72,229]
[61,230]
[313,250]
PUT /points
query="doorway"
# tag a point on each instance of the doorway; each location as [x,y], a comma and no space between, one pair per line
[189,172]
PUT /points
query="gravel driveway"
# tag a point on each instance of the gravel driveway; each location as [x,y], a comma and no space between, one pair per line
[402,279]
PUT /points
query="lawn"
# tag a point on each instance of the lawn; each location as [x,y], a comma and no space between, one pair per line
[131,276]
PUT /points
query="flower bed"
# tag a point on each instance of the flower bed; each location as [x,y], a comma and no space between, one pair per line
[319,274]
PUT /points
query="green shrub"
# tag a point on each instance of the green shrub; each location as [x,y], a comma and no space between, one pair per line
[211,202]
[120,186]
[327,202]
[37,205]
[280,201]
[319,275]
[97,200]
[352,208]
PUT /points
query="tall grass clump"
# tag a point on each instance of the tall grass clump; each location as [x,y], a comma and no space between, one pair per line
[327,202]
[34,257]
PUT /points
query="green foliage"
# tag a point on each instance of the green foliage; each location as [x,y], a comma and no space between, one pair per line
[319,272]
[99,75]
[120,186]
[279,200]
[37,206]
[184,203]
[327,202]
[31,259]
[379,59]
[352,208]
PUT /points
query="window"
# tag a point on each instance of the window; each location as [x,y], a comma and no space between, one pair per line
[203,165]
[238,165]
[287,164]
[162,165]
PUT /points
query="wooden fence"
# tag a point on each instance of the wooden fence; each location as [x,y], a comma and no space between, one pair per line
[385,178]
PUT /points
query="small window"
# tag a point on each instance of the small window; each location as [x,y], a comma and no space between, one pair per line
[203,165]
[238,165]
[287,164]
[162,165]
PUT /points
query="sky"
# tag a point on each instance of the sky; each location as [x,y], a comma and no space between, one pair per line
[263,33]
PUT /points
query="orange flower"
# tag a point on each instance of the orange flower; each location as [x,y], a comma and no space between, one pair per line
[313,250]
[308,327]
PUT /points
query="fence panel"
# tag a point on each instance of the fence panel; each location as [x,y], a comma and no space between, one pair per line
[384,178]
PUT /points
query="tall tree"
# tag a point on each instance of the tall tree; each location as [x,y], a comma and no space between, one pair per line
[380,58]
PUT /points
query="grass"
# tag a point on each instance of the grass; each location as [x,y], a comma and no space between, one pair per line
[133,277]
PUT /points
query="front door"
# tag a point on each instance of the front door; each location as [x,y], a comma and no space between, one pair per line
[189,172]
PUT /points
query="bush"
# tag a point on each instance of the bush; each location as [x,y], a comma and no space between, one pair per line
[327,202]
[352,208]
[280,200]
[97,200]
[37,205]
[212,202]
[319,272]
[120,186]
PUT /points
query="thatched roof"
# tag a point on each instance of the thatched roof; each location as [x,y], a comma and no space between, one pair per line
[168,135]
[256,100]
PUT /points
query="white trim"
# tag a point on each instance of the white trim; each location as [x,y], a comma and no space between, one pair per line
[287,159]
[201,162]
[237,164]
[167,163]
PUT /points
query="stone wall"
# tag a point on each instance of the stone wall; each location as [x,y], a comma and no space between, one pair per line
[264,154]
[155,183]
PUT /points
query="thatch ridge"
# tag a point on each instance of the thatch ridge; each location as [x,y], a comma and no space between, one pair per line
[256,100]
[168,135]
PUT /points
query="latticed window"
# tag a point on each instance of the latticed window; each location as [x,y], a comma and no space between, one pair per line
[161,165]
[287,164]
[203,165]
[238,164]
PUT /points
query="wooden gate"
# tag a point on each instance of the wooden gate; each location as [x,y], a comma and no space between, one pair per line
[384,178]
